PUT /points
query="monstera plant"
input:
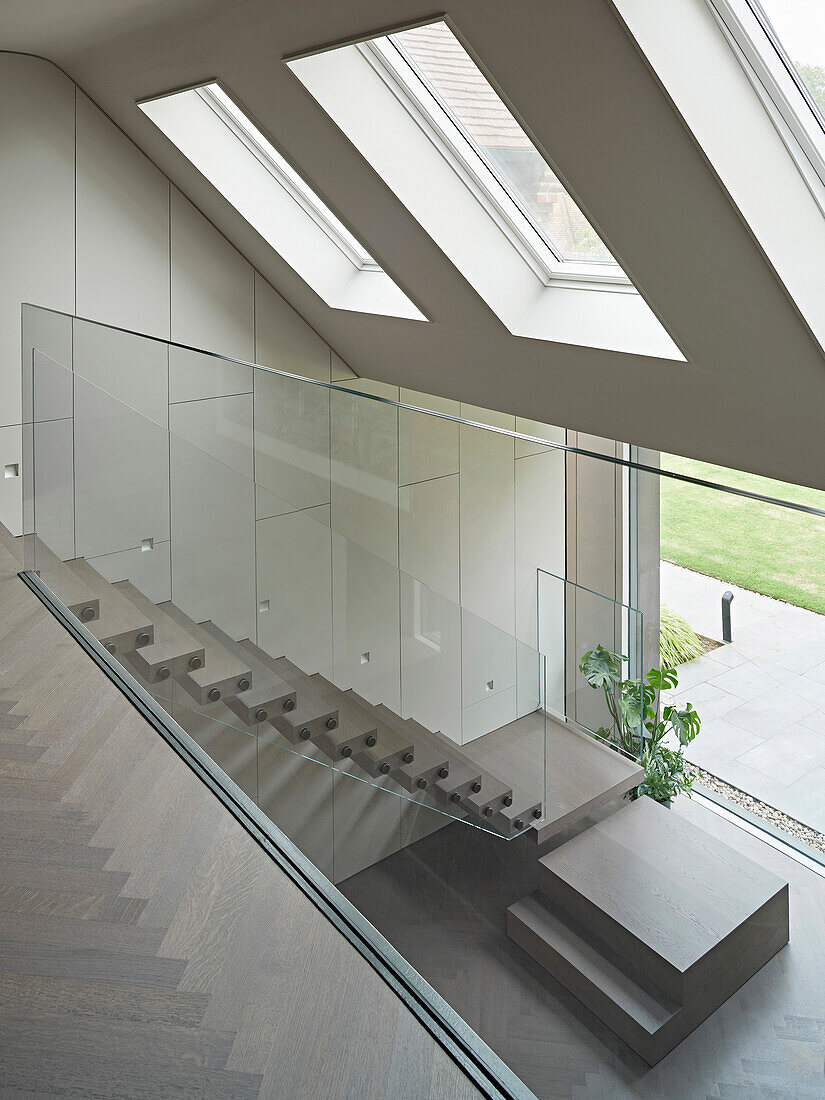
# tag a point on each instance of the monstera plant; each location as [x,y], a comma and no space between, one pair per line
[640,724]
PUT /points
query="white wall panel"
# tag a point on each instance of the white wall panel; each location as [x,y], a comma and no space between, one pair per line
[47,354]
[294,557]
[213,294]
[540,532]
[488,660]
[292,440]
[37,239]
[488,715]
[366,623]
[427,445]
[487,494]
[220,427]
[194,375]
[428,534]
[122,228]
[54,511]
[213,541]
[150,570]
[11,478]
[131,368]
[284,340]
[430,659]
[364,453]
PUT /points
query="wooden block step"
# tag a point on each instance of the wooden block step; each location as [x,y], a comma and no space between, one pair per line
[267,696]
[583,774]
[628,1009]
[492,797]
[356,730]
[223,672]
[391,749]
[48,876]
[121,627]
[678,912]
[172,652]
[522,813]
[66,584]
[314,714]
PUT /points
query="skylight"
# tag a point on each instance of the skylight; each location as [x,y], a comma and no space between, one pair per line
[428,122]
[450,87]
[223,143]
[797,31]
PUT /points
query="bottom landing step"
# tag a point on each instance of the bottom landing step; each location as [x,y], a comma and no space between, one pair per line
[651,922]
[634,1014]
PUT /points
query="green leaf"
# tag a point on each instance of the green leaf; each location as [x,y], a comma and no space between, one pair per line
[601,668]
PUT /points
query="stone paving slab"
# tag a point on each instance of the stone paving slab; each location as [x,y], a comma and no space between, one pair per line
[760,698]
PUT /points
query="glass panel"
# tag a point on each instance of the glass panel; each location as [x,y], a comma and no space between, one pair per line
[593,649]
[271,618]
[799,26]
[464,93]
[743,611]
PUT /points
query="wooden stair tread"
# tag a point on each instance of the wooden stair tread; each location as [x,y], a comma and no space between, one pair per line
[268,692]
[66,583]
[171,648]
[222,667]
[658,880]
[581,967]
[72,933]
[120,622]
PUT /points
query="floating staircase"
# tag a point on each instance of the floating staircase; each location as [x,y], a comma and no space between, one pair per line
[236,685]
[651,923]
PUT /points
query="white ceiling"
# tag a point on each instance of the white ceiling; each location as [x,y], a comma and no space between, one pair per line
[753,392]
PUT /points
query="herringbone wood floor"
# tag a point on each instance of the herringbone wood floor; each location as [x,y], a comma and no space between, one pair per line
[442,904]
[148,947]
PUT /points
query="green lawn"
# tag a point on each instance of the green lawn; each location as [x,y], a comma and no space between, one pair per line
[776,551]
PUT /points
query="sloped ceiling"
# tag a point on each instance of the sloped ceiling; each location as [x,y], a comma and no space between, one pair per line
[752,394]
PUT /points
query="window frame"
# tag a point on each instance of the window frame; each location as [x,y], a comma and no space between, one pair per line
[780,87]
[285,175]
[425,107]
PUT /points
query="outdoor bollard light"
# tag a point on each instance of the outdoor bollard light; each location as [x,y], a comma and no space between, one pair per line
[727,599]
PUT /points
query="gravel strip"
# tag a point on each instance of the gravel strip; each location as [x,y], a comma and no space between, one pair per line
[787,824]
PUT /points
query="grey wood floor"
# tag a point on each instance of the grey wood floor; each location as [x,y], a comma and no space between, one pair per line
[442,903]
[148,948]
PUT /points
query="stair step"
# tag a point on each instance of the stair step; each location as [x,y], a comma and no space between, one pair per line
[172,652]
[134,1004]
[19,752]
[267,696]
[66,584]
[391,751]
[355,729]
[660,891]
[490,799]
[628,1009]
[315,713]
[671,909]
[525,808]
[73,1038]
[63,830]
[121,628]
[223,671]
